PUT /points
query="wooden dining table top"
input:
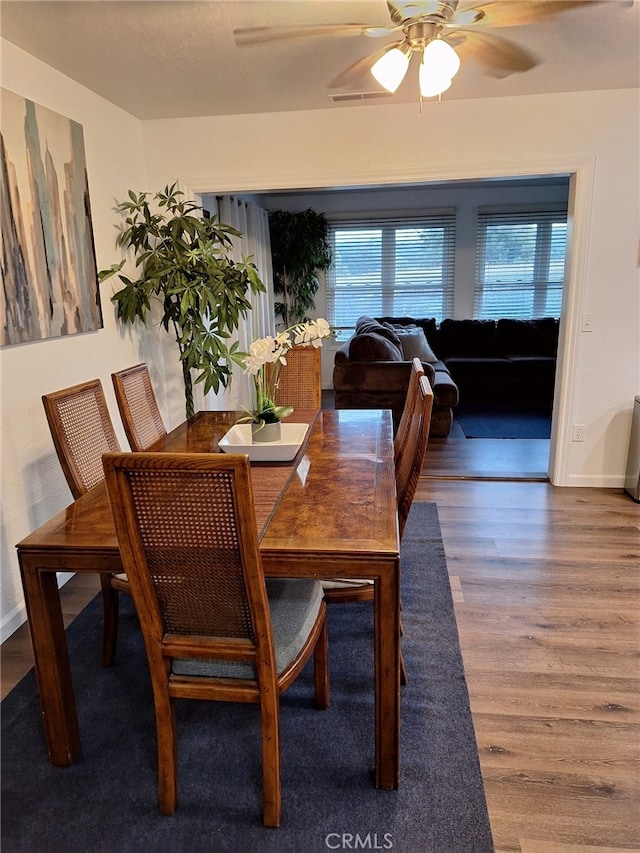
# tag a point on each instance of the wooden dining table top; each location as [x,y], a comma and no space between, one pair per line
[337,497]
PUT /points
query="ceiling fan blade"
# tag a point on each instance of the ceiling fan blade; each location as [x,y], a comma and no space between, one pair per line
[259,35]
[498,56]
[378,32]
[506,13]
[403,9]
[358,75]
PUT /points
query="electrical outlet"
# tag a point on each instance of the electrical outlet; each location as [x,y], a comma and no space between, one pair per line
[578,432]
[588,322]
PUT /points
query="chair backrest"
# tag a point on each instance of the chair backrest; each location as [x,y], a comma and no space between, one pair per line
[139,411]
[300,382]
[410,465]
[82,431]
[189,543]
[400,440]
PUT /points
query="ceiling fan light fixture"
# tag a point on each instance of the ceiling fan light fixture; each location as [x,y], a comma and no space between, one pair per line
[440,59]
[390,69]
[431,85]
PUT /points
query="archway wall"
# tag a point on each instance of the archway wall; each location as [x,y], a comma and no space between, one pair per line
[592,136]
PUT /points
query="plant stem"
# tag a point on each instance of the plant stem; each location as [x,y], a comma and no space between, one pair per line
[188,389]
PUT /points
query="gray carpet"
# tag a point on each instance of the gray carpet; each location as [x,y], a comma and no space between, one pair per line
[107,800]
[503,420]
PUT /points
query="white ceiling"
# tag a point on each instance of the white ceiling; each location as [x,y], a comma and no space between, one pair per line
[177,58]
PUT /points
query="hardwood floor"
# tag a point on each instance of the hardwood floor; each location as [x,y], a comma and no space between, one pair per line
[546,584]
[15,653]
[457,457]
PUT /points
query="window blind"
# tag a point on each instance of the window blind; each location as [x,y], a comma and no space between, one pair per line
[519,263]
[401,266]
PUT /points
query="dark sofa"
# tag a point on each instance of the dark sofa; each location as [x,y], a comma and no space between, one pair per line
[491,361]
[371,371]
[505,360]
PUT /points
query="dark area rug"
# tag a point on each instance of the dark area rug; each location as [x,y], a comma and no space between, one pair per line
[503,420]
[107,801]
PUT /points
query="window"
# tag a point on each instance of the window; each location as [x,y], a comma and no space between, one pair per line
[520,263]
[391,267]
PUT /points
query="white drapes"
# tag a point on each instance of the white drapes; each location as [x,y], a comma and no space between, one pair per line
[253,222]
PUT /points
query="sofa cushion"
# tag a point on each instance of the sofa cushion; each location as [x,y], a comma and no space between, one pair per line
[445,390]
[528,337]
[440,367]
[482,379]
[371,346]
[479,369]
[414,344]
[467,339]
[365,325]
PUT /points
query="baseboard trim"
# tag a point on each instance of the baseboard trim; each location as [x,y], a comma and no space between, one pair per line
[18,616]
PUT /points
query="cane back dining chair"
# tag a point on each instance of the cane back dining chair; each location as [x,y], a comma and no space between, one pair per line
[341,591]
[411,458]
[409,455]
[138,407]
[299,382]
[82,430]
[410,403]
[213,628]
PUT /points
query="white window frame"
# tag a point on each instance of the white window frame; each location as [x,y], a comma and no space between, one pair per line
[387,292]
[539,283]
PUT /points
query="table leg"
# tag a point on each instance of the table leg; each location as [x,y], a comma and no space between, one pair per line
[387,676]
[53,673]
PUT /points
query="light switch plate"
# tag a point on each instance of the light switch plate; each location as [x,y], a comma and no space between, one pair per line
[588,322]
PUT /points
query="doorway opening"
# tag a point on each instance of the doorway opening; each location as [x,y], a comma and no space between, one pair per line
[543,460]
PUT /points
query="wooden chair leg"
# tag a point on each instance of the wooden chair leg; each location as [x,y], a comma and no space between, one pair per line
[271,794]
[110,609]
[167,755]
[321,670]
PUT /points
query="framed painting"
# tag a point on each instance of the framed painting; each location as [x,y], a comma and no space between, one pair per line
[49,272]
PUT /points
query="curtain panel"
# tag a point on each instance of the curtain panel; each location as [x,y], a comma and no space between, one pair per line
[253,222]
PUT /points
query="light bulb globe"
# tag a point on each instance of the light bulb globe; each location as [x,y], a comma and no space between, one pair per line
[391,68]
[441,59]
[431,84]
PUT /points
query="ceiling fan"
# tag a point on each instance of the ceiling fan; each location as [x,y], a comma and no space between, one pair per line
[440,32]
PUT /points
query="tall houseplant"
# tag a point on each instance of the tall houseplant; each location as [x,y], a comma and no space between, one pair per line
[300,249]
[184,266]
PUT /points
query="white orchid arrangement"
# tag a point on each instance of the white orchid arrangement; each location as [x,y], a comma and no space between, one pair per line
[273,351]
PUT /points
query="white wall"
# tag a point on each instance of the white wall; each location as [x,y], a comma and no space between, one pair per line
[33,487]
[591,135]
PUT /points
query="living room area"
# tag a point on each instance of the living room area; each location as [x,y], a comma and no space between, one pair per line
[478,266]
[493,384]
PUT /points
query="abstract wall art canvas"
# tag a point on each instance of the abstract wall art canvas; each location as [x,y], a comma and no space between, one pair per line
[49,272]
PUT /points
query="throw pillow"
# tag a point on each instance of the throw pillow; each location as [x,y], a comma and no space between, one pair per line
[415,345]
[365,325]
[373,347]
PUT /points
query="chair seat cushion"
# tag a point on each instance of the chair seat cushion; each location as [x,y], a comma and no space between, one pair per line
[294,605]
[345,583]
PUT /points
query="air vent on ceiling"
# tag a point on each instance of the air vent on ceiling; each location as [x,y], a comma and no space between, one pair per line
[357,96]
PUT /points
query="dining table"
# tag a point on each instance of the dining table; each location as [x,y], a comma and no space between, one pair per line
[330,512]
